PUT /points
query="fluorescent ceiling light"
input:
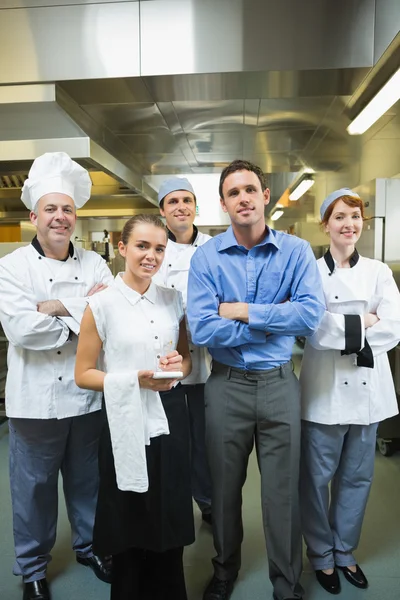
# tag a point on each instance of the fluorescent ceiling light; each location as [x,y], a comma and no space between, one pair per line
[301,189]
[379,104]
[276,215]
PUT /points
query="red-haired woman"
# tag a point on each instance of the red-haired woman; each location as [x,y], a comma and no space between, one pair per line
[347,388]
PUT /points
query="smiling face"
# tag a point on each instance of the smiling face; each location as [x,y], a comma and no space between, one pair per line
[54,219]
[179,210]
[143,254]
[344,226]
[244,200]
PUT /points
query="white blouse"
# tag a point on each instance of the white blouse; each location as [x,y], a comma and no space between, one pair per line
[136,330]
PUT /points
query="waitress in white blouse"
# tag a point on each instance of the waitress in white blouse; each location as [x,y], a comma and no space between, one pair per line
[347,388]
[144,514]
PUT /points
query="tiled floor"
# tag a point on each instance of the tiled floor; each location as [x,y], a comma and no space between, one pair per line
[379,552]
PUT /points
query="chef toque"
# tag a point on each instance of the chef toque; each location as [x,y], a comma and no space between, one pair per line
[173,185]
[56,172]
[334,196]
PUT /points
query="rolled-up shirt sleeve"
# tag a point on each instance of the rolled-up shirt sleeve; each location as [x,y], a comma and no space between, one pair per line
[206,326]
[339,332]
[303,310]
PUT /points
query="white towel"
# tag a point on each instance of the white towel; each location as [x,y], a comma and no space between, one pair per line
[135,415]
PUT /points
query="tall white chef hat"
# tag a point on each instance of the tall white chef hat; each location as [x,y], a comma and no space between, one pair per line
[56,172]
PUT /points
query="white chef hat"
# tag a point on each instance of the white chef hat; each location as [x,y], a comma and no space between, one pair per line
[56,172]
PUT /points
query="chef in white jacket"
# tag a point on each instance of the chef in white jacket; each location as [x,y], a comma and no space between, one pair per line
[54,426]
[347,388]
[178,206]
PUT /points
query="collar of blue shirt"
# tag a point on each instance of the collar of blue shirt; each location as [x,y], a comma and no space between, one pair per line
[229,240]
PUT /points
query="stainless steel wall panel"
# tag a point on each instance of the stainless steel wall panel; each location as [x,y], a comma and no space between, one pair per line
[285,140]
[204,36]
[15,150]
[43,3]
[299,112]
[195,87]
[216,143]
[217,115]
[297,84]
[392,238]
[69,42]
[161,142]
[387,25]
[163,163]
[105,91]
[128,118]
[36,121]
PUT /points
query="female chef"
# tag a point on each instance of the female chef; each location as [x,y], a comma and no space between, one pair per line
[347,388]
[144,515]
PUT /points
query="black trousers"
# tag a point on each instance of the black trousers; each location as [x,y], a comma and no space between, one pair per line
[146,575]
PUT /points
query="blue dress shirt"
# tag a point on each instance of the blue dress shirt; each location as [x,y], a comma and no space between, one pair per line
[280,281]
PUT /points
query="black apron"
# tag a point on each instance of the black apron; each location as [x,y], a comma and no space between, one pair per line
[162,517]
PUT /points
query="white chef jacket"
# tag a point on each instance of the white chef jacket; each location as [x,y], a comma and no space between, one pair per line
[334,389]
[174,273]
[136,330]
[41,353]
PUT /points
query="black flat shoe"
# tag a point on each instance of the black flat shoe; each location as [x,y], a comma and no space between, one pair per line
[219,589]
[207,518]
[36,590]
[101,568]
[358,578]
[330,583]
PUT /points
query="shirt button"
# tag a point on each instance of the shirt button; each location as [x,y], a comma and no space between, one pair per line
[172,285]
[142,297]
[336,297]
[75,258]
[50,280]
[60,379]
[151,321]
[156,337]
[58,351]
[39,257]
[76,279]
[191,351]
[170,265]
[364,383]
[345,383]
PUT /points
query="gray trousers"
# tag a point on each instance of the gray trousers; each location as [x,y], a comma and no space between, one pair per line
[201,481]
[342,456]
[261,407]
[39,450]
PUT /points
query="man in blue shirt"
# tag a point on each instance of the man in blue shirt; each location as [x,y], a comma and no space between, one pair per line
[251,290]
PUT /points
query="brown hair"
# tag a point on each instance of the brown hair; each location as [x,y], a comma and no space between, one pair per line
[242,165]
[138,220]
[350,201]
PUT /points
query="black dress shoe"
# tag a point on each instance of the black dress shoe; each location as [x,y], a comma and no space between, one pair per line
[36,590]
[207,518]
[219,589]
[330,583]
[358,578]
[101,568]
